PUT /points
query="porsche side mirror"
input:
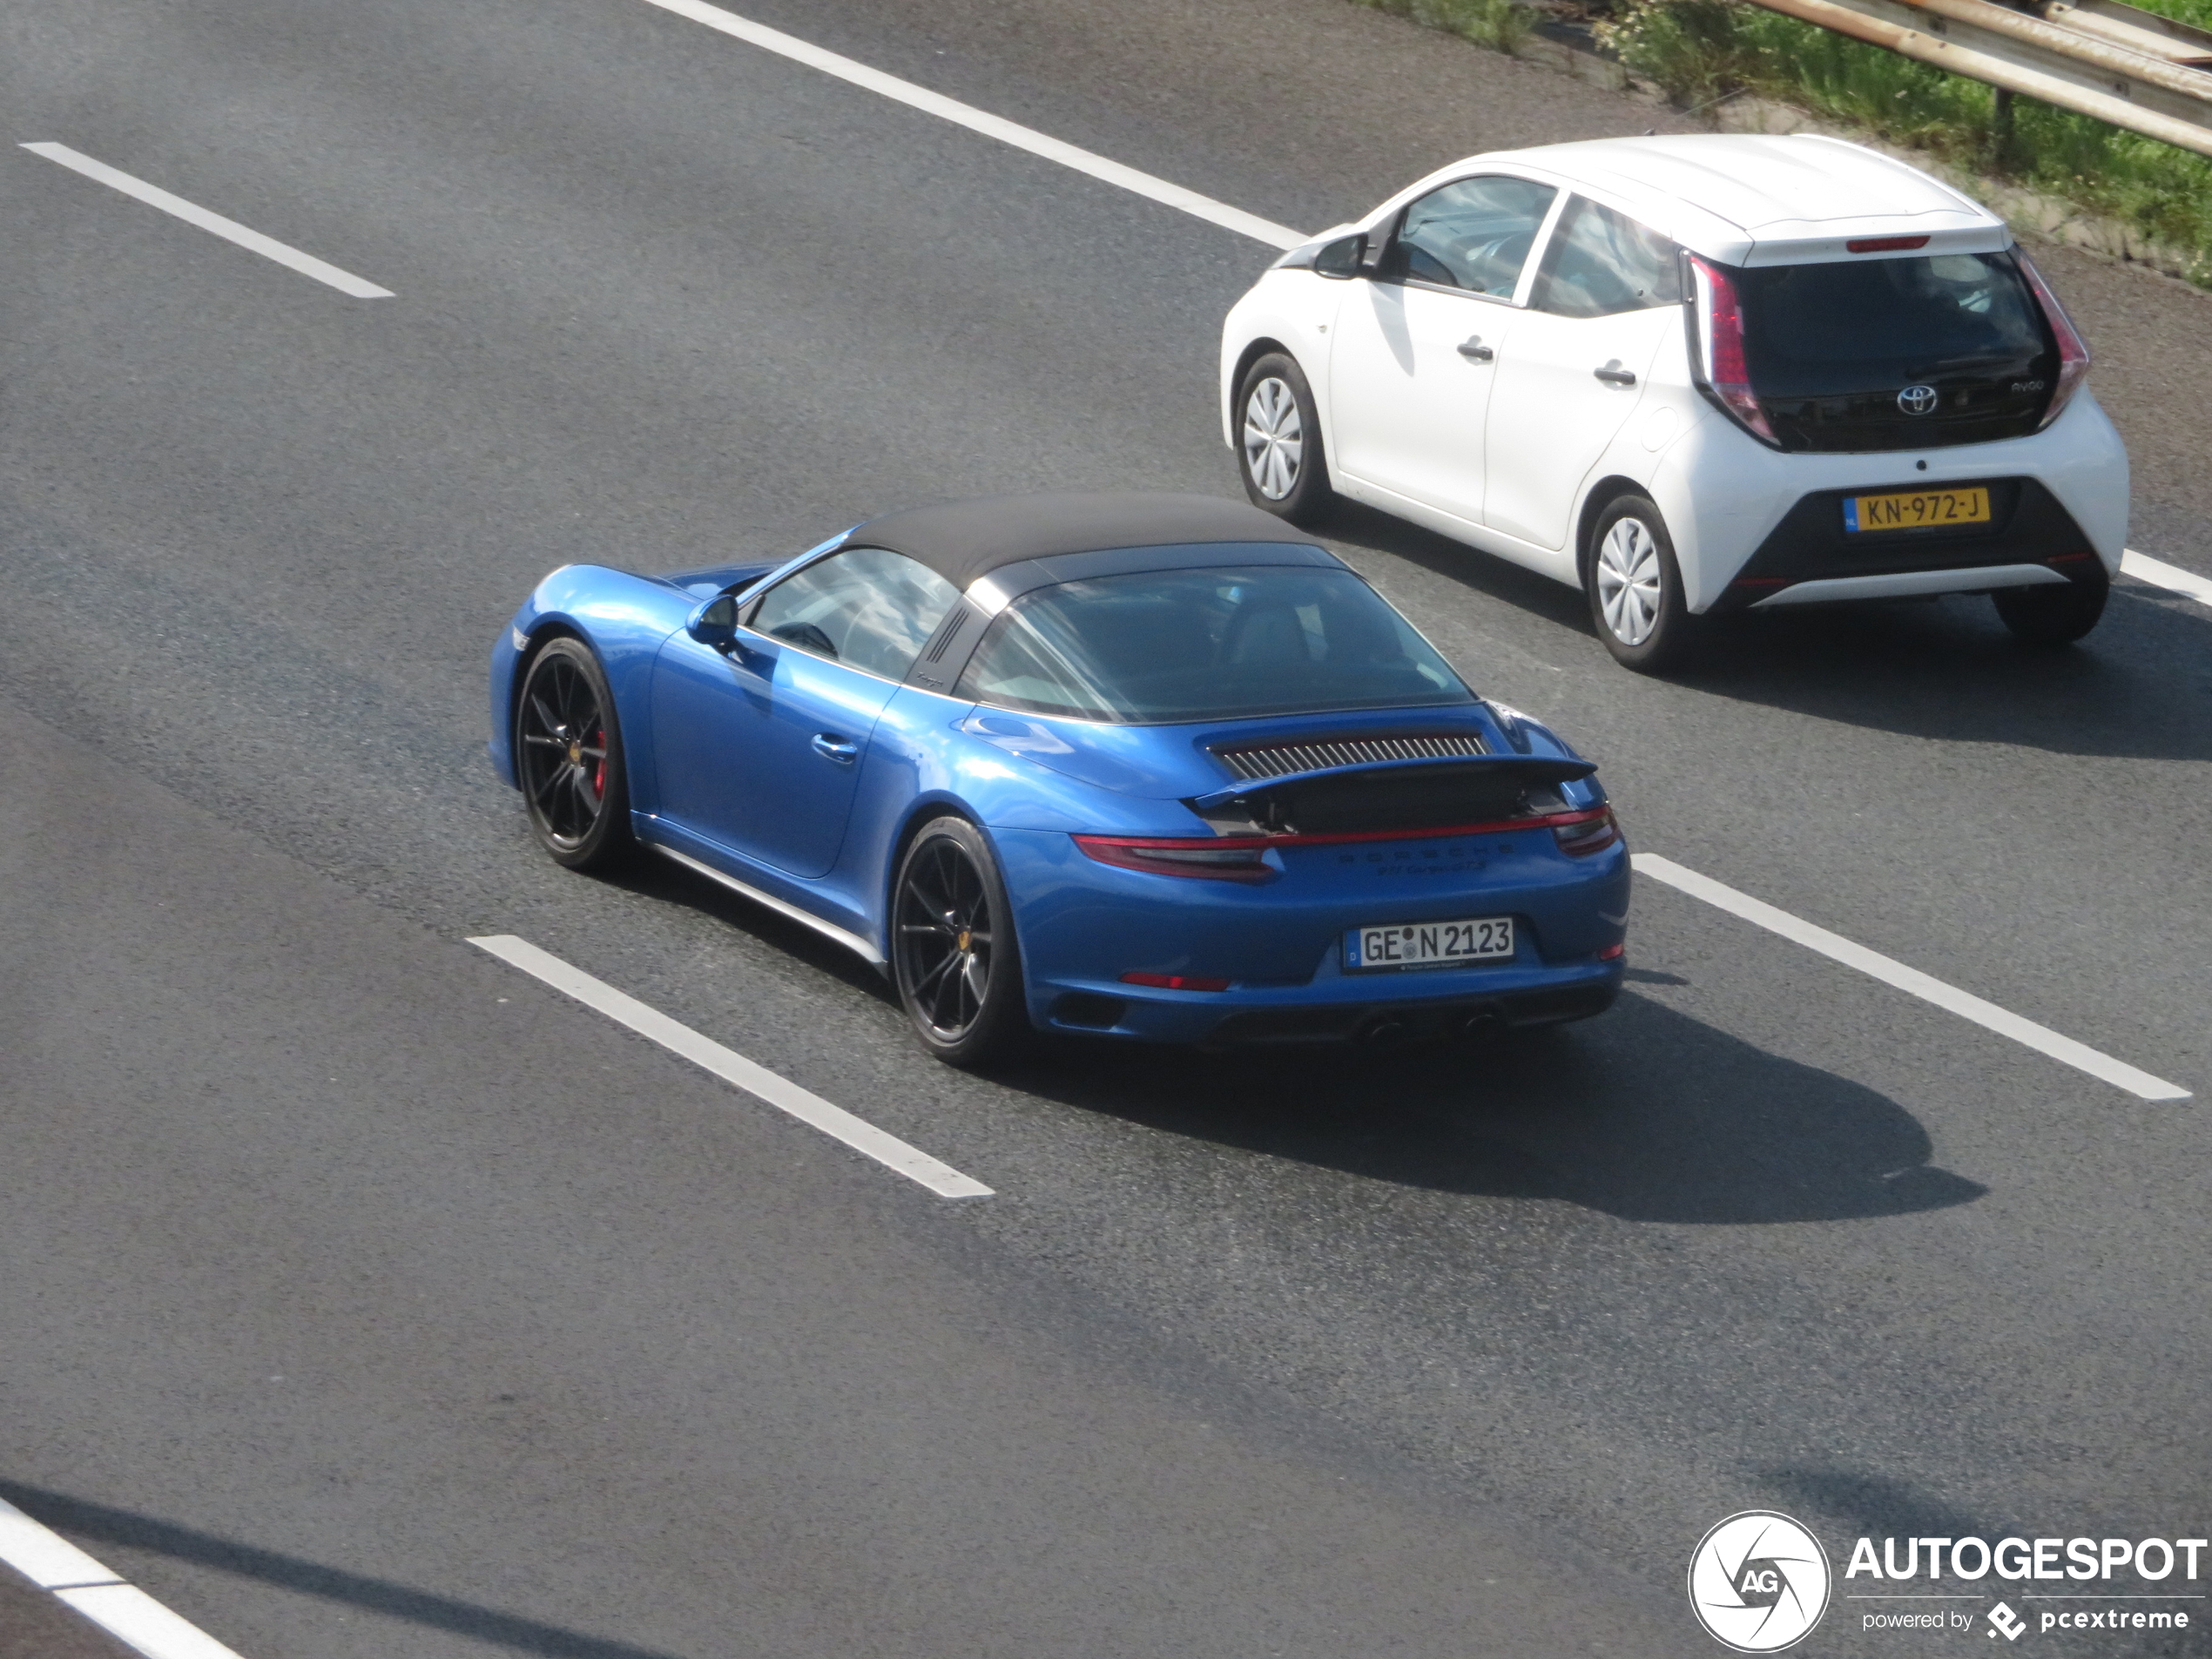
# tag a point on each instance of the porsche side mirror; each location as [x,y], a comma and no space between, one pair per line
[1345,257]
[715,623]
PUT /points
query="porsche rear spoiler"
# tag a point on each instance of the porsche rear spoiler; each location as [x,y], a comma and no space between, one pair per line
[1423,794]
[1521,769]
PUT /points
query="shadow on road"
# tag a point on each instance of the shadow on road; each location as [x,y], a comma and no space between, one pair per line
[650,876]
[1945,669]
[96,1523]
[1879,1506]
[1644,1113]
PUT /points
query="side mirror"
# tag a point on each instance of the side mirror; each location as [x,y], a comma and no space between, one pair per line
[1345,258]
[715,623]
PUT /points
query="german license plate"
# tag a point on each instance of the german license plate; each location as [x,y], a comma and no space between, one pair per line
[1917,509]
[1429,944]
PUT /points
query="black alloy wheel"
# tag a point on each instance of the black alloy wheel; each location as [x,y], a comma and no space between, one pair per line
[568,753]
[1279,443]
[954,956]
[2050,614]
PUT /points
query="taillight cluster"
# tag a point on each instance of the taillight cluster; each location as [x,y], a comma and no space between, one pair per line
[1242,857]
[1223,858]
[1588,832]
[1721,368]
[2074,354]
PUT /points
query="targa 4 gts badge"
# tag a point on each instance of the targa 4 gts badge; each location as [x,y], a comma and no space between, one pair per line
[1759,1582]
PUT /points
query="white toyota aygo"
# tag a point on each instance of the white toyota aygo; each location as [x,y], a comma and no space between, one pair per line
[1692,376]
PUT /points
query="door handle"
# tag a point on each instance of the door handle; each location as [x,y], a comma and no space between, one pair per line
[1474,351]
[830,746]
[1614,374]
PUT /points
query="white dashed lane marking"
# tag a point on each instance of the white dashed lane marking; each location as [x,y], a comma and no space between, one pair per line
[732,1067]
[229,229]
[1965,1005]
[126,1612]
[2172,578]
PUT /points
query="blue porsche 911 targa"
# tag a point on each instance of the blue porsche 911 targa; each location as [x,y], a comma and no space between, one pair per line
[1142,767]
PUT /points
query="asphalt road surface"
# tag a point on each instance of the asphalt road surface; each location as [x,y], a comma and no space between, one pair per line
[361,1296]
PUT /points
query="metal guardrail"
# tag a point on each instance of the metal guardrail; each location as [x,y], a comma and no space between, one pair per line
[2118,63]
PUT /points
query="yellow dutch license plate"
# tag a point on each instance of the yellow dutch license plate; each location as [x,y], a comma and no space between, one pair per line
[1918,510]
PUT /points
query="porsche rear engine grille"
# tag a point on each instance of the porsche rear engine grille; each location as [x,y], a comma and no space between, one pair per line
[1281,759]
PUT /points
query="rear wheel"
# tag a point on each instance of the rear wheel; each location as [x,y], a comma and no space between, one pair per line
[1636,589]
[953,951]
[2050,615]
[568,756]
[1279,443]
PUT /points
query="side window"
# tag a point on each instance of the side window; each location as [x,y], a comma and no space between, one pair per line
[864,607]
[1600,263]
[1473,234]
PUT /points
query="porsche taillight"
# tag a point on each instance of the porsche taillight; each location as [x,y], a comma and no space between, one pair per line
[1587,833]
[1719,349]
[2073,351]
[1213,859]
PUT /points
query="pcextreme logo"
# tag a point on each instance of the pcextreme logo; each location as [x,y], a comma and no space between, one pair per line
[1759,1582]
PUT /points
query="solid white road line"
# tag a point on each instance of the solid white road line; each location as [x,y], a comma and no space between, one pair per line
[229,229]
[1988,1015]
[966,115]
[732,1067]
[129,1615]
[2160,574]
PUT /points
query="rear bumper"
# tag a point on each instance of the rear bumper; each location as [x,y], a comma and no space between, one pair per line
[1736,507]
[1084,924]
[1809,558]
[1418,1014]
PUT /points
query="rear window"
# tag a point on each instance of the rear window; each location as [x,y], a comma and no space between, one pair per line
[1165,646]
[1810,330]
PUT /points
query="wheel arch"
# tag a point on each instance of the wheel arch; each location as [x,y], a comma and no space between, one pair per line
[1601,495]
[1255,348]
[543,633]
[923,809]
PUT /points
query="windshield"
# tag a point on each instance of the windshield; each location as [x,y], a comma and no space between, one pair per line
[1815,330]
[1165,646]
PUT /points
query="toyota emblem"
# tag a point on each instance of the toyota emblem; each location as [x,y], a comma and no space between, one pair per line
[1917,400]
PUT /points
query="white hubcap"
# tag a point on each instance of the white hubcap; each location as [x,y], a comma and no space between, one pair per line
[1627,581]
[1274,438]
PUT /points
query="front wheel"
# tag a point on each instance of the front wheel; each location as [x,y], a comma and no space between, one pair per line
[953,951]
[1279,443]
[2050,614]
[1636,589]
[568,756]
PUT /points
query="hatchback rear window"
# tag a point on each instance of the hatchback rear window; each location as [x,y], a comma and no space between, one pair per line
[1163,646]
[1816,330]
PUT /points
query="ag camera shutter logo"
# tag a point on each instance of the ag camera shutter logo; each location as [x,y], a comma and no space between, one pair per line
[1759,1582]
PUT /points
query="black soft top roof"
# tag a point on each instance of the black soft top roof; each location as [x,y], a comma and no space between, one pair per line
[962,540]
